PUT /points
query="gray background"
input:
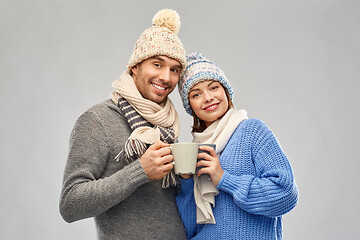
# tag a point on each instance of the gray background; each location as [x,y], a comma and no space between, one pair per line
[293,64]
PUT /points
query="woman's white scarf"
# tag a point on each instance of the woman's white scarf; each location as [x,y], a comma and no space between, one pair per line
[219,133]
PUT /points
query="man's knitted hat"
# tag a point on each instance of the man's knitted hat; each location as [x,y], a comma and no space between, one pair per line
[200,69]
[160,39]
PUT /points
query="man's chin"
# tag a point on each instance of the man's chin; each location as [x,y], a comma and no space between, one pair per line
[158,99]
[162,101]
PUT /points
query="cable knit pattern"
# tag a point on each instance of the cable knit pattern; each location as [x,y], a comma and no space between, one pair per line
[257,188]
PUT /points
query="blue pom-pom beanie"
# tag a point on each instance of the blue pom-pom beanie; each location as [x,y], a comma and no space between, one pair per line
[199,69]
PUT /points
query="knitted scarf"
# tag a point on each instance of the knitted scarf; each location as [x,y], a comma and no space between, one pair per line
[148,121]
[219,133]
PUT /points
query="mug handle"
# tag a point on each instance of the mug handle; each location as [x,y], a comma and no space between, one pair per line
[173,162]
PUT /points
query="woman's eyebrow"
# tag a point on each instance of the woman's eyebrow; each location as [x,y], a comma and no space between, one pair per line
[197,89]
[192,90]
[211,83]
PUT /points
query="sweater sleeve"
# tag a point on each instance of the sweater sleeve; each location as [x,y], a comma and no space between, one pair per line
[186,205]
[272,190]
[85,193]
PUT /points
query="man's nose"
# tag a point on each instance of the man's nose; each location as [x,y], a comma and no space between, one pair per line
[165,74]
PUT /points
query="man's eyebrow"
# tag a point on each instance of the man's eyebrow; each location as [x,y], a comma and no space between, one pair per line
[158,58]
[163,60]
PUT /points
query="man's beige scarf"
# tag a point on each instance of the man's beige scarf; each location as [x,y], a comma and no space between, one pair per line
[219,133]
[158,115]
[161,115]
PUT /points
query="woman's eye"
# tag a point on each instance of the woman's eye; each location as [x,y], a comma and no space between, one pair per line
[195,95]
[156,64]
[214,87]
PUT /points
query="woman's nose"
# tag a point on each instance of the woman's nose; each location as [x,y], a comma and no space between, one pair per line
[208,96]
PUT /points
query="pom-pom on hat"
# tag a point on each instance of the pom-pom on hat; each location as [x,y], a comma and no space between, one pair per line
[160,39]
[200,69]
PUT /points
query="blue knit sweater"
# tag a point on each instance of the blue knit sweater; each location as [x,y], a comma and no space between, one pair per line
[257,188]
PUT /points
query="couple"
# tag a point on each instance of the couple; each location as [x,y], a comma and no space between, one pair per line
[119,168]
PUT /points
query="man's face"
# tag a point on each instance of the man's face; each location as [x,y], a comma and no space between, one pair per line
[156,77]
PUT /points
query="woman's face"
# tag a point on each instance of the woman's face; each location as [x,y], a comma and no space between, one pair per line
[208,101]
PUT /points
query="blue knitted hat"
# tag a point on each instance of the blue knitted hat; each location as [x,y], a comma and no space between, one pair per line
[199,69]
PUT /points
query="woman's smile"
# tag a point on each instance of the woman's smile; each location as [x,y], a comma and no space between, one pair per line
[212,107]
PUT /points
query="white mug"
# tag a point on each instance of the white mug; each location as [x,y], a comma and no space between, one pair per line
[185,157]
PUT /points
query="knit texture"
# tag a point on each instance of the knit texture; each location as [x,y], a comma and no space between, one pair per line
[148,120]
[218,133]
[257,188]
[119,195]
[160,39]
[158,115]
[135,148]
[199,69]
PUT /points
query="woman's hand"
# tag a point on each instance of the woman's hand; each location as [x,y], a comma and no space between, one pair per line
[211,164]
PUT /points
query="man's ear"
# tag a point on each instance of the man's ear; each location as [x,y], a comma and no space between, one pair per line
[135,70]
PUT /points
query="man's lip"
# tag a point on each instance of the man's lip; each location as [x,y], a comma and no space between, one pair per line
[211,105]
[159,87]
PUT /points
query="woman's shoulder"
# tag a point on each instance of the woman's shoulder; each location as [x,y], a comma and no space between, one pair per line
[252,124]
[253,128]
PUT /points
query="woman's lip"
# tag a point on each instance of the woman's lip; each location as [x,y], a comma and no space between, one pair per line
[211,107]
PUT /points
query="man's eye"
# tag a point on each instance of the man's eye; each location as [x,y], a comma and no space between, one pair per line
[175,70]
[157,64]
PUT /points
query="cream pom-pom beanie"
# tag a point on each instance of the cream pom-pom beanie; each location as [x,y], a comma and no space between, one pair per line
[160,39]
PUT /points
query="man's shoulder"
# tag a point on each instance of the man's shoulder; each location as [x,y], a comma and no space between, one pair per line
[103,119]
[104,108]
[105,105]
[103,111]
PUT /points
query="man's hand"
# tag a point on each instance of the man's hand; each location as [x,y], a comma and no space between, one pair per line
[157,160]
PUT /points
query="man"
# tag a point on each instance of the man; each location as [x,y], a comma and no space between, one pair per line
[119,168]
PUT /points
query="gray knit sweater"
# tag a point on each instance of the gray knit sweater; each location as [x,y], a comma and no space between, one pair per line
[121,198]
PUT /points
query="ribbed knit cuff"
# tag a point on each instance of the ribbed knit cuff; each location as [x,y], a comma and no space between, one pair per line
[136,173]
[231,184]
[225,175]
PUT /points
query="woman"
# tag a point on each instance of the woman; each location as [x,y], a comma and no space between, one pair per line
[251,183]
